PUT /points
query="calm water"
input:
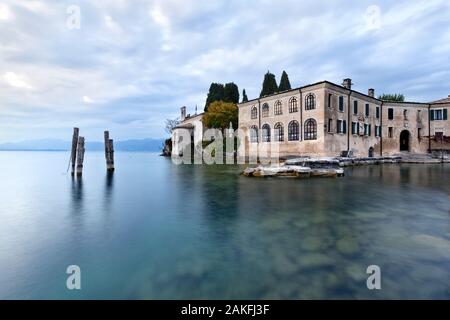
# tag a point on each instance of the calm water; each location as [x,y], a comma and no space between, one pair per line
[154,230]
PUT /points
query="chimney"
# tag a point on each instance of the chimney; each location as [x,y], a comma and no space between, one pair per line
[371,92]
[183,113]
[347,83]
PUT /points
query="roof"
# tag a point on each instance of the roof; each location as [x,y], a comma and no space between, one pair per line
[184,126]
[445,100]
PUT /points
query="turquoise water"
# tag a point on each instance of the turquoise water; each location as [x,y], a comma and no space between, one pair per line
[155,230]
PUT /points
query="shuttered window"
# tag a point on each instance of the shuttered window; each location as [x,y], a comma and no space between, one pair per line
[439,114]
[341,103]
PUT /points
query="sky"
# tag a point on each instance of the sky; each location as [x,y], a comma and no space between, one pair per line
[126,66]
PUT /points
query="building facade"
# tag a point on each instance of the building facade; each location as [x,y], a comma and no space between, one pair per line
[191,124]
[326,119]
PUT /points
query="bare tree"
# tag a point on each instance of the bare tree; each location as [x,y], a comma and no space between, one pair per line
[170,124]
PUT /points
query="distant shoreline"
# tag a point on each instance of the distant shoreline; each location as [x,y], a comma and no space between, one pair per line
[62,150]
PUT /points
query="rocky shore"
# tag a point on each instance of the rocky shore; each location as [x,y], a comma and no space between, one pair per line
[306,167]
[299,168]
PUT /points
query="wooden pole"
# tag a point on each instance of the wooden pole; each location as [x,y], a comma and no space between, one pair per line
[73,155]
[106,140]
[80,157]
[111,155]
[109,152]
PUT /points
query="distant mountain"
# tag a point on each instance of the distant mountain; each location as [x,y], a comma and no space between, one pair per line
[143,145]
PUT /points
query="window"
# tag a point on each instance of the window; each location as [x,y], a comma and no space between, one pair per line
[278,108]
[329,100]
[293,105]
[254,112]
[293,131]
[341,103]
[377,131]
[310,129]
[254,134]
[419,133]
[367,110]
[310,102]
[405,114]
[355,107]
[439,114]
[354,128]
[341,126]
[279,132]
[378,112]
[391,114]
[390,132]
[330,123]
[367,129]
[266,133]
[265,110]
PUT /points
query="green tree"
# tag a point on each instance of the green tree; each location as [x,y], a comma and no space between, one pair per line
[216,93]
[231,93]
[244,96]
[397,97]
[285,84]
[220,114]
[269,85]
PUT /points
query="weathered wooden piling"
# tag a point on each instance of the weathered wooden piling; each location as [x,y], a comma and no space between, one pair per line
[80,157]
[109,152]
[73,155]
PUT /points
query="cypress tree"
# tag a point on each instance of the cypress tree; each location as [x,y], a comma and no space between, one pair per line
[231,93]
[269,85]
[216,93]
[244,96]
[285,84]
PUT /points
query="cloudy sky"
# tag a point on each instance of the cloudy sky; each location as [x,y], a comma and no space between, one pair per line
[126,66]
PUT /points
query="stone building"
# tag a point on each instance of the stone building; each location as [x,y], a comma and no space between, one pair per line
[326,119]
[193,124]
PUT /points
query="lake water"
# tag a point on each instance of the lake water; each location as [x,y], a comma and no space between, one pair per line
[155,230]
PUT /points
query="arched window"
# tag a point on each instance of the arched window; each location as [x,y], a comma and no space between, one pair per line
[278,108]
[310,129]
[279,132]
[254,112]
[293,132]
[265,110]
[293,105]
[254,134]
[310,102]
[266,133]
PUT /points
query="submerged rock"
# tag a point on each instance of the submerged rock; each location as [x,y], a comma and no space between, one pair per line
[314,260]
[292,171]
[347,246]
